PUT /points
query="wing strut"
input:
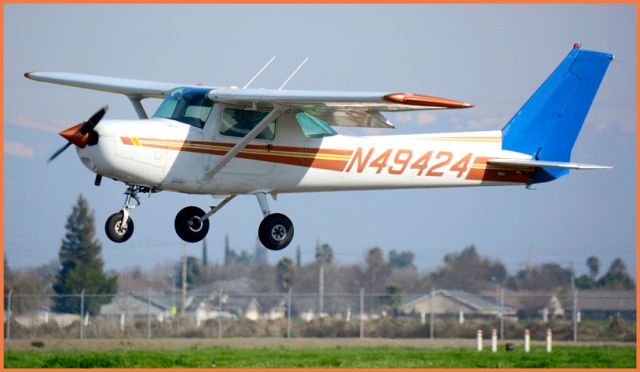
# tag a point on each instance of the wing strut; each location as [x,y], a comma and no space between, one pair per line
[273,114]
[137,105]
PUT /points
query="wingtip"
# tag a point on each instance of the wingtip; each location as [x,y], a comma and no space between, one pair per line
[420,100]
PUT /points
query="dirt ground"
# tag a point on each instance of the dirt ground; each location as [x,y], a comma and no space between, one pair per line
[257,343]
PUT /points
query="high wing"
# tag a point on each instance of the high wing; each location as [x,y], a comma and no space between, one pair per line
[135,88]
[339,108]
[350,109]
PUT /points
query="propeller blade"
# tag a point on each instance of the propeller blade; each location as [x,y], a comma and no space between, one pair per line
[93,120]
[60,151]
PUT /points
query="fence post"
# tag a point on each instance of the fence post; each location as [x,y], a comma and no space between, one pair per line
[220,314]
[149,313]
[575,314]
[431,313]
[479,340]
[549,340]
[82,315]
[289,313]
[501,314]
[527,341]
[361,312]
[9,315]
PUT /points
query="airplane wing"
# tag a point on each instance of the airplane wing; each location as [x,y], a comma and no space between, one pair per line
[351,109]
[129,87]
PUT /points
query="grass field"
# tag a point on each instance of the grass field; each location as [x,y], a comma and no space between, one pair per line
[311,353]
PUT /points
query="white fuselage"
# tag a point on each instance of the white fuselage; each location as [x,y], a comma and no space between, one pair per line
[169,155]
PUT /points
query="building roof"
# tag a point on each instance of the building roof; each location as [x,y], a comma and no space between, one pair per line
[607,300]
[472,301]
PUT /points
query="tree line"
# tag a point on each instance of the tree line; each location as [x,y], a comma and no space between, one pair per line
[81,267]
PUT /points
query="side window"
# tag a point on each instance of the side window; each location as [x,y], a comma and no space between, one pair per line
[238,122]
[314,127]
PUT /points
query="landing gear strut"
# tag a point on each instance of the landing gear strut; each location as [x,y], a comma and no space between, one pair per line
[119,226]
[276,229]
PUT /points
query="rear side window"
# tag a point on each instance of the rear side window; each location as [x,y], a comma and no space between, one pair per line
[238,122]
[313,127]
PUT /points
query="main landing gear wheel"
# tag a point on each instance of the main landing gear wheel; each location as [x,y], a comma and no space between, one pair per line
[276,231]
[115,230]
[188,225]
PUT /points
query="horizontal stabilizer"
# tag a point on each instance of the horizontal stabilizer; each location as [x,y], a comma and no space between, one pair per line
[546,164]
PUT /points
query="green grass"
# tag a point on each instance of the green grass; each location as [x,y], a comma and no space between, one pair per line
[562,356]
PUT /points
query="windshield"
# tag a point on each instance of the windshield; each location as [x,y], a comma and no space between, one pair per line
[186,105]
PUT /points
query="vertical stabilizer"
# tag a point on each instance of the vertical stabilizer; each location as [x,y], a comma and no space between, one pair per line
[547,125]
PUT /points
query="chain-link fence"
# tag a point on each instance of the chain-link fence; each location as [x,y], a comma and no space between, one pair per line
[578,315]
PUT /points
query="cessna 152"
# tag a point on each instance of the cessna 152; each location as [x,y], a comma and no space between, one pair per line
[230,141]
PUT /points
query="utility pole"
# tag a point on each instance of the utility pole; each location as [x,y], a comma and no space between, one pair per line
[184,279]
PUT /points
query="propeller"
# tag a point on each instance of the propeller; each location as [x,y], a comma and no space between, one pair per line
[81,134]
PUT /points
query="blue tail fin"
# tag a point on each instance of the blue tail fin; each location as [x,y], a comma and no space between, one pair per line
[547,126]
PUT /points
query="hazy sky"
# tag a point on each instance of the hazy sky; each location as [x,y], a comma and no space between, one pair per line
[492,56]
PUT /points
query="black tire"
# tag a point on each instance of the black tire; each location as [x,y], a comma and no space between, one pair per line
[275,231]
[113,231]
[188,227]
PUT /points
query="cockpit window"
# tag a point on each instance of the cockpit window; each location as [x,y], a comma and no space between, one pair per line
[238,122]
[186,105]
[313,127]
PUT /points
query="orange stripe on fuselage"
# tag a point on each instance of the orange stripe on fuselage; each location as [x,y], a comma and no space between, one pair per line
[298,156]
[480,171]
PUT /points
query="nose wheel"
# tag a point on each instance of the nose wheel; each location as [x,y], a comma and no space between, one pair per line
[119,226]
[275,231]
[116,230]
[190,226]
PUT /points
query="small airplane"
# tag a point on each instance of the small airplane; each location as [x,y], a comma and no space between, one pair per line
[229,141]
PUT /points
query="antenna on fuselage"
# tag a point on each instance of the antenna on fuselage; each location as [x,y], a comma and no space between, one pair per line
[293,73]
[259,72]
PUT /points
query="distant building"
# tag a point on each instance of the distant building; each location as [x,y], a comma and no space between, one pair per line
[453,303]
[604,304]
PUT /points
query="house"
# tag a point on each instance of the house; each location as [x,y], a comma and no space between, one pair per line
[131,307]
[535,304]
[454,303]
[604,304]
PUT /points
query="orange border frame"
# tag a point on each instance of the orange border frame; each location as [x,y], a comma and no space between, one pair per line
[3,2]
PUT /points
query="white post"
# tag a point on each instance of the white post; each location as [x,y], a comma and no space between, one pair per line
[479,340]
[461,317]
[527,341]
[46,317]
[549,340]
[494,340]
[122,321]
[423,317]
[545,315]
